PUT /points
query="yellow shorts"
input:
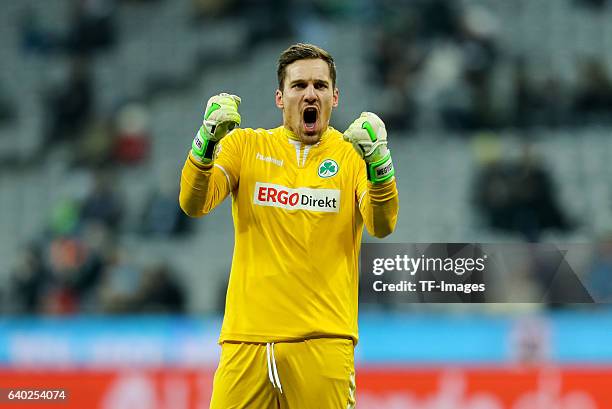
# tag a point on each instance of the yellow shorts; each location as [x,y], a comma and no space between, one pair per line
[311,374]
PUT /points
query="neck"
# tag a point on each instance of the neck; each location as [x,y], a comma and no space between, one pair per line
[290,134]
[305,139]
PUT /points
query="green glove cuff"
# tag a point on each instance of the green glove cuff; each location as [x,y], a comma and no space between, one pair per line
[381,170]
[202,147]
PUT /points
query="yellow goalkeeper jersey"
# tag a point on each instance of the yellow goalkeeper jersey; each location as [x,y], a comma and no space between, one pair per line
[299,212]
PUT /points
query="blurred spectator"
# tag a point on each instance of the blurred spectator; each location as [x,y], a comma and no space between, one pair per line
[65,217]
[132,135]
[536,207]
[33,38]
[119,284]
[163,215]
[334,8]
[65,213]
[92,26]
[475,41]
[70,106]
[102,204]
[439,18]
[527,98]
[94,149]
[66,257]
[395,41]
[8,108]
[76,264]
[519,196]
[537,104]
[471,108]
[203,10]
[266,20]
[96,241]
[398,107]
[27,281]
[595,5]
[493,194]
[594,93]
[159,291]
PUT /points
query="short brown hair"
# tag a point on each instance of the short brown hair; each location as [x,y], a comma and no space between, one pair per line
[303,51]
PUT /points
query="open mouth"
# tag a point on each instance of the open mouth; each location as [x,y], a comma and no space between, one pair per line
[310,118]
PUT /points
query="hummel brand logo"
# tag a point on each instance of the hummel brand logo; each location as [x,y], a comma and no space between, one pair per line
[301,198]
[270,159]
[328,168]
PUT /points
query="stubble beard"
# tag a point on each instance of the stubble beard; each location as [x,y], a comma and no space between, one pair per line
[310,139]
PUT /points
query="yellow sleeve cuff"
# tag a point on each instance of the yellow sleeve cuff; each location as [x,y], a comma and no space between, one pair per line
[382,192]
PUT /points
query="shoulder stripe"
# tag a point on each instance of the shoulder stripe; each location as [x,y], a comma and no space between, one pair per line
[361,197]
[229,184]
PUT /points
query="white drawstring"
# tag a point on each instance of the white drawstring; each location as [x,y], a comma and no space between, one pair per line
[272,367]
[269,366]
[280,387]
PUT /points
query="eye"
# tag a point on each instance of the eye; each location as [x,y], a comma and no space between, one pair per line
[299,85]
[321,85]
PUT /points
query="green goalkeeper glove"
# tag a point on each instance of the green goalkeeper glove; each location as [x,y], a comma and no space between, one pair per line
[369,138]
[220,117]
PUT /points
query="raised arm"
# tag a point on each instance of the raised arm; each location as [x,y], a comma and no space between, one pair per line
[210,173]
[376,188]
[379,205]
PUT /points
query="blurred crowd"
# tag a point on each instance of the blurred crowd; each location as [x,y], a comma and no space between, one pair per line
[434,64]
[439,63]
[78,263]
[519,196]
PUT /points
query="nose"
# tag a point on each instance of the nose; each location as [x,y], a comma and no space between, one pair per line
[310,95]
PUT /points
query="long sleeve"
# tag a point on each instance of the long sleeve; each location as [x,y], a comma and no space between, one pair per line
[379,205]
[202,189]
[205,187]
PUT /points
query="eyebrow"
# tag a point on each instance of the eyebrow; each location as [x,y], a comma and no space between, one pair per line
[298,81]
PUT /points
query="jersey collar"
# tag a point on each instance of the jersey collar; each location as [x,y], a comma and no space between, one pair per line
[293,137]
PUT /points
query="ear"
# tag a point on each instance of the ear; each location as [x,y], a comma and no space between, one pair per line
[335,98]
[278,97]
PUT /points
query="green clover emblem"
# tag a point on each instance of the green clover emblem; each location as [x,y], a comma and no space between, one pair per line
[328,168]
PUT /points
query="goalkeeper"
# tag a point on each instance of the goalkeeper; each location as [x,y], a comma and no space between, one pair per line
[301,194]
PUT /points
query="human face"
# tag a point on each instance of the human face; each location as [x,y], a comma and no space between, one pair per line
[307,99]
